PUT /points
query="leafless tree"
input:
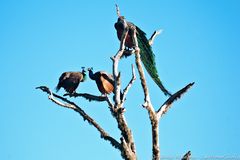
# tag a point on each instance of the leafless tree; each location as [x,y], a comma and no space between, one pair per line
[125,144]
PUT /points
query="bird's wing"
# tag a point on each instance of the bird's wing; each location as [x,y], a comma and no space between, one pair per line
[61,79]
[73,80]
[148,59]
[107,82]
[63,76]
[108,77]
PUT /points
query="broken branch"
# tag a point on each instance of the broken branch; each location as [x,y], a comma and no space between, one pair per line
[164,108]
[154,35]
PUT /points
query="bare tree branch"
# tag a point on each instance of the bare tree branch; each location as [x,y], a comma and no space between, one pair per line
[147,104]
[154,35]
[87,96]
[164,108]
[110,104]
[142,78]
[119,116]
[125,91]
[126,133]
[155,132]
[71,105]
[115,60]
[128,154]
[187,156]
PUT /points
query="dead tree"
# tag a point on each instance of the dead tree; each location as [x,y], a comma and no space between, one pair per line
[125,144]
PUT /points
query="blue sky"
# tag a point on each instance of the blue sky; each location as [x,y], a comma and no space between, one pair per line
[41,39]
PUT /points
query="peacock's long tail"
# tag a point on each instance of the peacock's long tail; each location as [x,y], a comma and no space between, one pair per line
[148,59]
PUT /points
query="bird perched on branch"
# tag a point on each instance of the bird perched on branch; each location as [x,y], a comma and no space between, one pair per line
[70,81]
[147,55]
[104,81]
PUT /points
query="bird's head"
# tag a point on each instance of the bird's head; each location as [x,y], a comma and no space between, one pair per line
[83,70]
[84,74]
[91,75]
[90,69]
[121,18]
[121,23]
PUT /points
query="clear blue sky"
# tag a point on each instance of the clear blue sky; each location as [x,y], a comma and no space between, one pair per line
[40,39]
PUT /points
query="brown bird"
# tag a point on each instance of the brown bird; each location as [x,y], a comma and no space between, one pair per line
[70,81]
[104,81]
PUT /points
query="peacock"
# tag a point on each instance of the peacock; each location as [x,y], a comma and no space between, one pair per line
[70,81]
[104,81]
[147,55]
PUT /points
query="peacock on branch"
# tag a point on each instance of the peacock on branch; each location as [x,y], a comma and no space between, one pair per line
[70,81]
[104,81]
[147,55]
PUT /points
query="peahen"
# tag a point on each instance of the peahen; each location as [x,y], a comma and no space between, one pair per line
[70,81]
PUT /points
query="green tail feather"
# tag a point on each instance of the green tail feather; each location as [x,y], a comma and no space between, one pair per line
[148,59]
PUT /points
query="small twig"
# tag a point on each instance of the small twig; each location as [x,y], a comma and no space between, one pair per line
[125,91]
[164,108]
[85,116]
[118,10]
[154,35]
[187,156]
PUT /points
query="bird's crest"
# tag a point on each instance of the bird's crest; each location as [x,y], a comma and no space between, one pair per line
[83,69]
[90,69]
[84,74]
